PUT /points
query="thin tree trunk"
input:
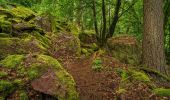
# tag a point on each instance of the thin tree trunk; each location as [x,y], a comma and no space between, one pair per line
[115,19]
[95,19]
[104,22]
[153,36]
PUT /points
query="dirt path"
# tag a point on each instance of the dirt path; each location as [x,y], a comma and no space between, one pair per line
[92,85]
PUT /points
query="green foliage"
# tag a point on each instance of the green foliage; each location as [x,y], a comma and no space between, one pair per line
[97,64]
[162,91]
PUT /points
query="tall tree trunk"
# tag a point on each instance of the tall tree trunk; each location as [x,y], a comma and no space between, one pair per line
[104,23]
[153,36]
[80,15]
[115,19]
[95,19]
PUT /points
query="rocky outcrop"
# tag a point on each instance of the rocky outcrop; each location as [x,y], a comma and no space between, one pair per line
[26,69]
[39,73]
[125,48]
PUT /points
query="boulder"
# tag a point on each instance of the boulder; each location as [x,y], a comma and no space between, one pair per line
[26,45]
[35,74]
[88,42]
[125,48]
[64,45]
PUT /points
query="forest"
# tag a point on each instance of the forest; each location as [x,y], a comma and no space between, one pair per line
[84,49]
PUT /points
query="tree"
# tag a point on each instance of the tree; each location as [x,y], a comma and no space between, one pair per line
[115,19]
[153,36]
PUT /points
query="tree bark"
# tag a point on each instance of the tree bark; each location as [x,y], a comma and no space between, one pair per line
[104,22]
[153,36]
[94,18]
[115,19]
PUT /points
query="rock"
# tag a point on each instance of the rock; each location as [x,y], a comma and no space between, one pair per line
[88,37]
[125,48]
[88,41]
[44,23]
[40,73]
[25,45]
[47,83]
[64,45]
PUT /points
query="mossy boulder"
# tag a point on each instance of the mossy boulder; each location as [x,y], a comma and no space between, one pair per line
[88,41]
[25,45]
[64,45]
[43,73]
[125,48]
[88,36]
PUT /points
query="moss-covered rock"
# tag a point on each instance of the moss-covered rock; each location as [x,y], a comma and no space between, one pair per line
[22,12]
[126,49]
[64,44]
[43,73]
[87,37]
[25,45]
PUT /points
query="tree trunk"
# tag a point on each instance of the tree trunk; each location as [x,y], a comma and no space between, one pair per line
[115,19]
[153,36]
[104,23]
[95,19]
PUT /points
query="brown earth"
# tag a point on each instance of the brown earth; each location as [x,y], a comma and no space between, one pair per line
[94,85]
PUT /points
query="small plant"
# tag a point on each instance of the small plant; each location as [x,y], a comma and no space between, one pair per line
[97,64]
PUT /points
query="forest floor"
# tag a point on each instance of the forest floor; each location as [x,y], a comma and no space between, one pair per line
[104,84]
[93,85]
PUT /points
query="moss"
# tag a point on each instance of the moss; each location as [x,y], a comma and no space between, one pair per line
[4,35]
[20,46]
[139,76]
[21,71]
[134,75]
[18,82]
[36,44]
[3,74]
[84,51]
[42,39]
[2,97]
[12,61]
[34,71]
[22,12]
[6,87]
[23,95]
[63,76]
[5,25]
[162,91]
[121,91]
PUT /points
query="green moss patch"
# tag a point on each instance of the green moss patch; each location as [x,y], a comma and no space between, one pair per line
[6,87]
[162,92]
[12,61]
[22,12]
[3,74]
